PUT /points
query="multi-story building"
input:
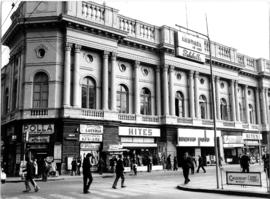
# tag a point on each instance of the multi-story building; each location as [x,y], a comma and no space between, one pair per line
[83,78]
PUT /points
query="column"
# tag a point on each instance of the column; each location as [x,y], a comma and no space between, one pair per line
[233,100]
[105,81]
[258,110]
[217,98]
[172,96]
[263,106]
[136,88]
[158,98]
[165,90]
[267,119]
[191,94]
[66,97]
[246,104]
[76,76]
[237,111]
[196,90]
[113,91]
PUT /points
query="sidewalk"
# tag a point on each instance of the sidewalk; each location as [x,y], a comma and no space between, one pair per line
[206,182]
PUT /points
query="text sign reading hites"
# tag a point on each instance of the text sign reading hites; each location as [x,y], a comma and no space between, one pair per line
[139,132]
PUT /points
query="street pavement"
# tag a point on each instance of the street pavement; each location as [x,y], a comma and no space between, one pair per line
[159,184]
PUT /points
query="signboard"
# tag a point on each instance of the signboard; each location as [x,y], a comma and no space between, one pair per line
[239,178]
[91,129]
[39,139]
[115,147]
[190,47]
[90,146]
[232,139]
[139,132]
[90,138]
[196,137]
[252,136]
[38,128]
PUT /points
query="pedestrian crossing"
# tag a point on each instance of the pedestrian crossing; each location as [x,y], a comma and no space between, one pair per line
[98,193]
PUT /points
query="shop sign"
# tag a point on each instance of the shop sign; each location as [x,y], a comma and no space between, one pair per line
[90,146]
[232,139]
[139,132]
[232,145]
[91,129]
[196,137]
[239,178]
[39,139]
[190,47]
[38,128]
[90,138]
[252,143]
[252,136]
[115,147]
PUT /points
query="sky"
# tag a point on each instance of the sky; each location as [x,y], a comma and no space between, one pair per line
[240,24]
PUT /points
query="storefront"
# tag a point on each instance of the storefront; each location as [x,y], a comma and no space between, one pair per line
[142,147]
[233,147]
[252,143]
[90,142]
[197,142]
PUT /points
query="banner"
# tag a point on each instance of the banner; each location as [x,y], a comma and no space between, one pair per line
[239,178]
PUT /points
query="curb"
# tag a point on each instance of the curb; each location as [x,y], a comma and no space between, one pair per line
[37,180]
[225,192]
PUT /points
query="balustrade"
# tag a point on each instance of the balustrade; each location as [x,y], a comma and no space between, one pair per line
[39,112]
[130,117]
[92,113]
[93,12]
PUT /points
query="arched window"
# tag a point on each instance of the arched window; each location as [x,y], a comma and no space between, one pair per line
[122,99]
[41,90]
[145,101]
[179,104]
[241,112]
[203,106]
[223,109]
[14,95]
[6,101]
[251,114]
[88,93]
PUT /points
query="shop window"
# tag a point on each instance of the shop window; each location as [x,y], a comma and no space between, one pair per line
[145,101]
[203,106]
[41,90]
[223,109]
[179,104]
[88,93]
[122,99]
[251,114]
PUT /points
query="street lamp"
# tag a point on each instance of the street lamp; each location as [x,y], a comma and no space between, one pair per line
[212,96]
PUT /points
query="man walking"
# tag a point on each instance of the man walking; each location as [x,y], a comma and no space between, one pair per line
[87,174]
[30,169]
[119,170]
[186,165]
[201,165]
[244,161]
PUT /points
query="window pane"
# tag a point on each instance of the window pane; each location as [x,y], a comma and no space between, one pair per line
[84,97]
[37,88]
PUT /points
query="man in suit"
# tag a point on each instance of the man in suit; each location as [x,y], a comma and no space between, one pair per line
[119,170]
[186,165]
[87,174]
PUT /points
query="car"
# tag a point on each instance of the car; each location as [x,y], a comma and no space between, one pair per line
[3,176]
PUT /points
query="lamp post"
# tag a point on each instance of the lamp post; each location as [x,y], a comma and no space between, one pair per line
[212,96]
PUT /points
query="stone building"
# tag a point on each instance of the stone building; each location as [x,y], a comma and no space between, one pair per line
[83,78]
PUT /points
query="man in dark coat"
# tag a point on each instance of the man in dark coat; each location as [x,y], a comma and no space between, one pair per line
[244,161]
[87,174]
[119,170]
[186,165]
[30,169]
[201,164]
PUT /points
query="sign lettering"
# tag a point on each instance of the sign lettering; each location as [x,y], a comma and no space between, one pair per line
[38,128]
[237,178]
[90,138]
[91,129]
[139,132]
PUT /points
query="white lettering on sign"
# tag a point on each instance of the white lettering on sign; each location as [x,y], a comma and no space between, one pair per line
[38,128]
[90,146]
[39,139]
[94,129]
[90,138]
[252,136]
[139,132]
[239,178]
[190,54]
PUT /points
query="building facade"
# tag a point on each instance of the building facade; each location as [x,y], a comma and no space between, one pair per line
[83,78]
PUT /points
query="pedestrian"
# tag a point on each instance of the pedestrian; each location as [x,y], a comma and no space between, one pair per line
[266,162]
[36,167]
[134,166]
[112,162]
[244,163]
[87,174]
[73,167]
[149,163]
[119,170]
[101,165]
[186,165]
[168,163]
[30,169]
[175,163]
[201,164]
[194,164]
[45,170]
[79,164]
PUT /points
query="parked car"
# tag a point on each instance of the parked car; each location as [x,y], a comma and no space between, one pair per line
[3,176]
